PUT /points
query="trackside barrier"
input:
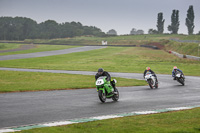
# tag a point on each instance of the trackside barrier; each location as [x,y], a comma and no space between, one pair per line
[185,56]
[193,57]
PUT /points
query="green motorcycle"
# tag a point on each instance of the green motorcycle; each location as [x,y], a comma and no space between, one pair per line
[105,89]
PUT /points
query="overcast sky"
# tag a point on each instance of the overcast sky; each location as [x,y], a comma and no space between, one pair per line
[121,15]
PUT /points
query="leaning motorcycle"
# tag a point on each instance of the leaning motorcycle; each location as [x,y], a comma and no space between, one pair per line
[151,80]
[180,77]
[105,89]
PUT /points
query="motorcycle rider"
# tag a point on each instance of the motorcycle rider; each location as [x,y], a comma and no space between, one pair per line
[175,69]
[148,69]
[101,72]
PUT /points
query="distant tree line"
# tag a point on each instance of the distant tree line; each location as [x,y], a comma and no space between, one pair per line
[136,32]
[174,27]
[20,28]
[112,32]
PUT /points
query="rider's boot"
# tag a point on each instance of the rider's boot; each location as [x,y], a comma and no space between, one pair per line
[113,85]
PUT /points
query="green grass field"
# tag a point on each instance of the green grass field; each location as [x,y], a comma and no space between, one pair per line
[187,121]
[6,46]
[13,81]
[112,59]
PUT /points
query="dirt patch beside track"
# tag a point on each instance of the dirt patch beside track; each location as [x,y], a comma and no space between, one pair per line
[157,44]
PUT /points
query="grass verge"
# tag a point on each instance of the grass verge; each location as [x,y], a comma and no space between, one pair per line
[186,121]
[13,81]
[115,40]
[184,48]
[39,48]
[112,59]
[7,46]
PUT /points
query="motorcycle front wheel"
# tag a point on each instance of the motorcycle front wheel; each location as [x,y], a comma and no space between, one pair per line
[182,81]
[102,96]
[150,84]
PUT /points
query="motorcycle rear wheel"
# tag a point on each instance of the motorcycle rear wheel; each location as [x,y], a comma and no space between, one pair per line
[116,96]
[156,86]
[182,81]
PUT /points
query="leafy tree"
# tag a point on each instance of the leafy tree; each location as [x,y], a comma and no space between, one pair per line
[136,32]
[133,31]
[20,28]
[189,21]
[49,29]
[140,32]
[152,31]
[112,32]
[17,28]
[160,23]
[174,22]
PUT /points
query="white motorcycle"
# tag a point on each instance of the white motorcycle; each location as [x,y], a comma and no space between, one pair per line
[151,80]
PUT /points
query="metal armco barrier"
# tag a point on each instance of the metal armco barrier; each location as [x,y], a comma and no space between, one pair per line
[185,56]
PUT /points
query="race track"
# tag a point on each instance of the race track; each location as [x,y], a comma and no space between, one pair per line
[26,108]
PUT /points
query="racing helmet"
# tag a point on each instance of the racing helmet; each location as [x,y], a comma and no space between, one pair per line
[100,71]
[148,68]
[175,67]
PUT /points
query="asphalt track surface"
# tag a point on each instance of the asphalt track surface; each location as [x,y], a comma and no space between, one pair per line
[25,108]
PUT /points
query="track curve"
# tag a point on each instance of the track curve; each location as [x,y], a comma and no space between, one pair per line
[46,106]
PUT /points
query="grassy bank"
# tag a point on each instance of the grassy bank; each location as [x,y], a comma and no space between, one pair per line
[187,121]
[182,48]
[112,59]
[13,81]
[115,40]
[38,48]
[6,46]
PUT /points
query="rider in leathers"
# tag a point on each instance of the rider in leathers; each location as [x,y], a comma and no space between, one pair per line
[101,72]
[148,69]
[175,69]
